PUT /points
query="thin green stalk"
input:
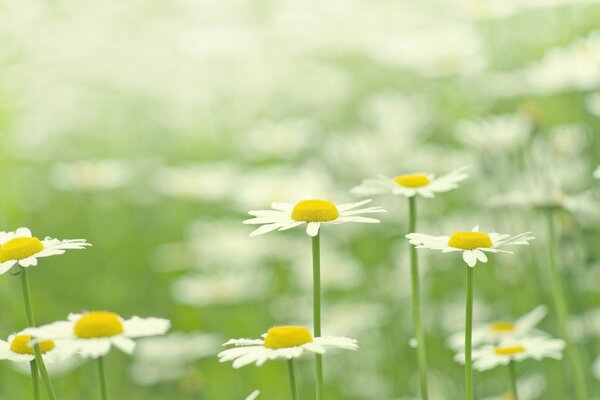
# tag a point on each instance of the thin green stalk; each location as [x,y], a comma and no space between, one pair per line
[31,323]
[562,312]
[416,301]
[103,391]
[316,258]
[468,334]
[35,379]
[513,380]
[292,373]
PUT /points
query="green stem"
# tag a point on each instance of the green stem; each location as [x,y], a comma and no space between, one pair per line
[416,302]
[513,380]
[35,379]
[468,334]
[292,373]
[103,391]
[31,323]
[316,258]
[562,312]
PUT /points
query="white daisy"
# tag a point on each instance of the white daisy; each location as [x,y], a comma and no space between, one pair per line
[18,348]
[473,244]
[498,331]
[22,247]
[537,348]
[287,342]
[92,334]
[410,185]
[312,212]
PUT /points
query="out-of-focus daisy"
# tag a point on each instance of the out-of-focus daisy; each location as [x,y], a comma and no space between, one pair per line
[473,244]
[253,395]
[592,103]
[281,342]
[597,172]
[18,348]
[495,133]
[409,185]
[537,348]
[311,212]
[91,175]
[92,334]
[23,248]
[498,331]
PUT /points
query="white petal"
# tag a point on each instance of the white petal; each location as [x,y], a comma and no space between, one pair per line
[28,262]
[138,327]
[93,348]
[6,266]
[23,232]
[469,258]
[312,228]
[266,229]
[124,344]
[349,206]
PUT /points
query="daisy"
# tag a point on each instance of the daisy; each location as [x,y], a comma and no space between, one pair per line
[18,348]
[93,333]
[410,185]
[281,342]
[537,348]
[498,331]
[23,248]
[311,212]
[473,244]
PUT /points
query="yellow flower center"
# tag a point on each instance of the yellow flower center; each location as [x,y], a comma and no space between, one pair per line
[20,344]
[508,350]
[97,324]
[315,211]
[502,327]
[281,337]
[412,180]
[470,240]
[20,248]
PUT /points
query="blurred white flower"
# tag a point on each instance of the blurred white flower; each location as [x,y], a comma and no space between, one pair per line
[91,175]
[597,172]
[282,140]
[592,103]
[169,357]
[253,395]
[496,332]
[410,185]
[18,348]
[313,213]
[286,342]
[201,182]
[497,133]
[472,244]
[530,387]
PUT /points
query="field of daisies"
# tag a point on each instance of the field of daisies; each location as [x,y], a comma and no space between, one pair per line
[283,199]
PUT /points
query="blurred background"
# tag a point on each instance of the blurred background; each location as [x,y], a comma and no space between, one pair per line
[151,127]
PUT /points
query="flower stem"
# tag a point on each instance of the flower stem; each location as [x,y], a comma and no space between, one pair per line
[31,323]
[562,312]
[416,301]
[292,372]
[468,334]
[316,258]
[35,379]
[513,380]
[103,391]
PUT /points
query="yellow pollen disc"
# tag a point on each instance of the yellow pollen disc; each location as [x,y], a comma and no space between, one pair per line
[97,324]
[280,337]
[470,240]
[508,350]
[412,180]
[20,248]
[315,211]
[502,327]
[20,345]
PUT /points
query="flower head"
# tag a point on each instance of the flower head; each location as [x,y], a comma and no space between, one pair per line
[498,331]
[286,342]
[93,333]
[19,348]
[311,212]
[473,244]
[537,348]
[409,185]
[23,248]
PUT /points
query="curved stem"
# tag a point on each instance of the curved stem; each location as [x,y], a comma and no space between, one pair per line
[103,390]
[562,312]
[416,302]
[31,323]
[292,373]
[316,259]
[468,334]
[35,380]
[513,380]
